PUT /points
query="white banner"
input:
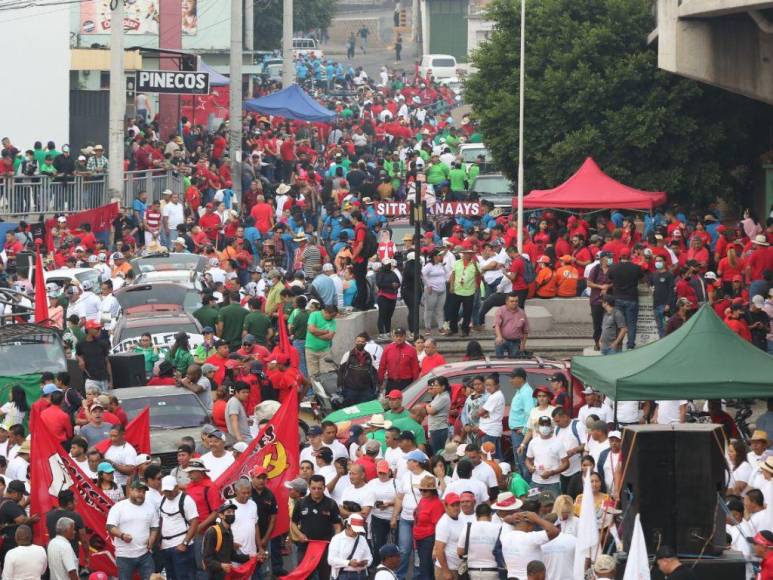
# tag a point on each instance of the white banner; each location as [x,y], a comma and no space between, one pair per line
[163,340]
[646,327]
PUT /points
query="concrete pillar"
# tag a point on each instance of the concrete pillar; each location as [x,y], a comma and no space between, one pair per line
[170,36]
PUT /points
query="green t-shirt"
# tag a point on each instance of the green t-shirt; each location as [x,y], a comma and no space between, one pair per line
[392,416]
[257,324]
[457,177]
[206,315]
[232,317]
[318,320]
[437,173]
[518,485]
[298,323]
[473,173]
[464,278]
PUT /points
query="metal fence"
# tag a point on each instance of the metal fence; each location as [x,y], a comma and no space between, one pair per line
[21,196]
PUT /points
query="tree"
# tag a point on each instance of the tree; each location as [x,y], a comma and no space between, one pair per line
[307,15]
[593,88]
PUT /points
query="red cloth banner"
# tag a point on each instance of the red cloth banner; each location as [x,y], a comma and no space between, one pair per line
[284,340]
[314,552]
[41,297]
[52,470]
[277,449]
[243,571]
[137,434]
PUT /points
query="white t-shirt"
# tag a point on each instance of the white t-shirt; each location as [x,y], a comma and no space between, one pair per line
[595,448]
[602,413]
[408,485]
[243,527]
[340,488]
[570,441]
[306,455]
[122,455]
[25,563]
[558,557]
[385,491]
[741,473]
[84,465]
[338,449]
[610,465]
[217,465]
[483,538]
[519,548]
[448,530]
[174,213]
[627,411]
[362,495]
[12,415]
[17,469]
[174,526]
[547,455]
[328,472]
[135,520]
[492,424]
[668,411]
[473,485]
[396,459]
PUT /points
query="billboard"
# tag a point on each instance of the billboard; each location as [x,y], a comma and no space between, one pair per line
[140,17]
[172,82]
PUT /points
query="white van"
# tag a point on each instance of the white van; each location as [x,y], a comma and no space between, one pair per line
[304,46]
[440,66]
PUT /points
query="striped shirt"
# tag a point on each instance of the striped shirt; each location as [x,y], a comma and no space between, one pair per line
[152,220]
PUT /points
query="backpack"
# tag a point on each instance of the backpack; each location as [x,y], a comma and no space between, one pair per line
[529,273]
[369,245]
[180,511]
[602,460]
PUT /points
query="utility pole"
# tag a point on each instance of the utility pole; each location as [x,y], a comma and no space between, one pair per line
[235,108]
[521,94]
[117,101]
[249,36]
[288,68]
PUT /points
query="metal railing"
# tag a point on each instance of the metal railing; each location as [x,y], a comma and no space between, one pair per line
[20,196]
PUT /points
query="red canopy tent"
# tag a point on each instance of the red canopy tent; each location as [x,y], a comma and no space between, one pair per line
[591,188]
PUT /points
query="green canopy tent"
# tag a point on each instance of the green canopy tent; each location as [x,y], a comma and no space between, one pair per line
[704,359]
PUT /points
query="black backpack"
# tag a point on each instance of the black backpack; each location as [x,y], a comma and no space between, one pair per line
[369,245]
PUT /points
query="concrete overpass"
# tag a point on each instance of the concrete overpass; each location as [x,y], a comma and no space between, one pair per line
[726,43]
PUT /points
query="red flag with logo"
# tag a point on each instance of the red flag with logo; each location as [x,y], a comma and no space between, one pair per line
[52,470]
[277,449]
[137,434]
[243,571]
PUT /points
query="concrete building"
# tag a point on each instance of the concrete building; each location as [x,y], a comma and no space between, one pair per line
[459,27]
[726,43]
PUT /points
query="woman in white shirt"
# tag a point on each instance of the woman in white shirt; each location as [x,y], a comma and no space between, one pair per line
[543,409]
[440,470]
[14,411]
[566,521]
[740,470]
[384,490]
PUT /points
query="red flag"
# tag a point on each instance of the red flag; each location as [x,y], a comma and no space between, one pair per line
[314,552]
[243,571]
[41,296]
[277,448]
[54,471]
[137,434]
[284,340]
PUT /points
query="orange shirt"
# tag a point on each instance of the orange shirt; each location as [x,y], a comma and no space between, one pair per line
[566,277]
[546,283]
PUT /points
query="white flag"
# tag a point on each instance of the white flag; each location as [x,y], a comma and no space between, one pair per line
[587,529]
[638,565]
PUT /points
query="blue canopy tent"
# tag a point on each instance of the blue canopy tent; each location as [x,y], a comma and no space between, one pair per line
[291,103]
[215,78]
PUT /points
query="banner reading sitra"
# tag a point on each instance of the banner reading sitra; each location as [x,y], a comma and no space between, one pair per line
[646,327]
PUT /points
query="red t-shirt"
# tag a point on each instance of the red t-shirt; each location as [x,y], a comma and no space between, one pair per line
[206,495]
[517,268]
[430,362]
[210,223]
[360,231]
[428,513]
[368,465]
[761,260]
[218,415]
[58,422]
[263,214]
[218,146]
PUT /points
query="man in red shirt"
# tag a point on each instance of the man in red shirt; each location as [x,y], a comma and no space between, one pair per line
[44,402]
[759,262]
[516,275]
[762,545]
[56,419]
[210,222]
[399,365]
[206,494]
[219,359]
[263,213]
[432,358]
[360,266]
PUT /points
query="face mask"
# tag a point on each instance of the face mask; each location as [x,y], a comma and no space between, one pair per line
[229,519]
[659,265]
[359,346]
[544,430]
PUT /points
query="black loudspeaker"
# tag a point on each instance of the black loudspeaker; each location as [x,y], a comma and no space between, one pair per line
[24,262]
[731,566]
[128,370]
[673,476]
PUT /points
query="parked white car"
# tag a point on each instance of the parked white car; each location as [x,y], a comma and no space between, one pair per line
[440,66]
[305,46]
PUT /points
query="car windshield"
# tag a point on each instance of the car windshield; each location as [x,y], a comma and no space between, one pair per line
[498,184]
[470,154]
[168,411]
[92,276]
[23,357]
[443,62]
[165,262]
[186,326]
[131,296]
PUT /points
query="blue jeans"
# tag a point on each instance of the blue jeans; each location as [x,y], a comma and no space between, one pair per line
[405,542]
[517,439]
[380,529]
[128,566]
[497,441]
[178,565]
[609,350]
[299,345]
[199,573]
[630,310]
[426,567]
[508,349]
[437,439]
[660,319]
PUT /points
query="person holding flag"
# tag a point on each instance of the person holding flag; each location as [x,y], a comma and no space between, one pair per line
[218,550]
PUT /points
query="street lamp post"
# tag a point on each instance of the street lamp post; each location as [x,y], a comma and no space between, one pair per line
[520,125]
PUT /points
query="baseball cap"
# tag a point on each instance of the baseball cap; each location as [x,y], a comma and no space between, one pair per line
[50,388]
[357,523]
[217,434]
[258,470]
[105,467]
[207,330]
[168,483]
[299,484]
[382,466]
[96,406]
[615,434]
[395,394]
[417,455]
[763,538]
[315,431]
[452,498]
[141,458]
[240,447]
[388,551]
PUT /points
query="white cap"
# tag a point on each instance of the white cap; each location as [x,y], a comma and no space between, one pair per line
[141,458]
[328,267]
[710,275]
[168,483]
[615,434]
[240,446]
[61,219]
[214,262]
[758,301]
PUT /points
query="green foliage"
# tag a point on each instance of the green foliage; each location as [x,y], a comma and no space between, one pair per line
[593,88]
[307,15]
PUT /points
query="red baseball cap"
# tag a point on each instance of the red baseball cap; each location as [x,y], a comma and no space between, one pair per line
[258,470]
[395,394]
[93,324]
[451,498]
[382,466]
[625,252]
